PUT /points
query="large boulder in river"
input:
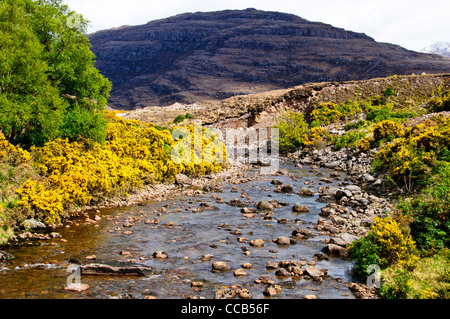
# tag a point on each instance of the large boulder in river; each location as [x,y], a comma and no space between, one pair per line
[183,180]
[262,205]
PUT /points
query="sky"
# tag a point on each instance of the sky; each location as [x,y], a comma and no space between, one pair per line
[413,24]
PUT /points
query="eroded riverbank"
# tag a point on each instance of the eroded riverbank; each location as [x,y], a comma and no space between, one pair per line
[197,223]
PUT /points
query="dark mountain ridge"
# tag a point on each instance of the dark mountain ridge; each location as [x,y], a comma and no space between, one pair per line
[215,55]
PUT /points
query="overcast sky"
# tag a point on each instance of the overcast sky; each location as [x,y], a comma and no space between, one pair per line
[413,24]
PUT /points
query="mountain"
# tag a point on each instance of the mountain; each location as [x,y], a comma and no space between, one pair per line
[441,48]
[215,55]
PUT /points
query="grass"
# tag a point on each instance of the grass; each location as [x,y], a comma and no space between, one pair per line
[429,280]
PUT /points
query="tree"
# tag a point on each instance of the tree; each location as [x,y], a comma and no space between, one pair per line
[48,82]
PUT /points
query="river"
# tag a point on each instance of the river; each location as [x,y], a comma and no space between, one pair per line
[39,269]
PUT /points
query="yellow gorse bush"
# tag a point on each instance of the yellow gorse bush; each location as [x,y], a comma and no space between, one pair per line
[387,130]
[134,154]
[395,246]
[316,134]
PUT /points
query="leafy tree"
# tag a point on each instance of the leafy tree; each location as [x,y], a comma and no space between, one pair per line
[48,82]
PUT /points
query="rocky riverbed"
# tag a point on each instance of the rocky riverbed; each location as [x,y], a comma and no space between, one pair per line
[238,234]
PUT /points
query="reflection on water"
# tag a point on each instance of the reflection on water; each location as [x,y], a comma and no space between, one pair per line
[39,270]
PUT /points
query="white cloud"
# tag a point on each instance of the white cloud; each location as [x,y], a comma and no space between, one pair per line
[409,23]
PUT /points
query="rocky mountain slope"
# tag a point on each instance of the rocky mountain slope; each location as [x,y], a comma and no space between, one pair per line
[216,55]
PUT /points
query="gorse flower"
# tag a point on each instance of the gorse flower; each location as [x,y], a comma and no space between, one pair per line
[134,154]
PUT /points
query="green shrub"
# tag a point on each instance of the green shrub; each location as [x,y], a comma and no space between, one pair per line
[179,118]
[431,212]
[384,245]
[292,128]
[349,139]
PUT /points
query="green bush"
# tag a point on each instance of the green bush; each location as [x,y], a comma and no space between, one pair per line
[179,118]
[292,129]
[386,244]
[349,139]
[431,211]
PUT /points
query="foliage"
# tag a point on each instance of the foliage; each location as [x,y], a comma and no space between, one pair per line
[440,103]
[387,131]
[409,159]
[75,173]
[384,245]
[429,280]
[431,212]
[349,139]
[316,136]
[46,71]
[327,113]
[180,118]
[292,129]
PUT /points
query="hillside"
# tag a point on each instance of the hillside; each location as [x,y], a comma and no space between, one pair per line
[216,55]
[262,109]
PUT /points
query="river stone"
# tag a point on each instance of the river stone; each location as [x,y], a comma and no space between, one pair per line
[5,256]
[333,249]
[108,270]
[354,189]
[282,272]
[33,224]
[181,179]
[298,208]
[312,271]
[240,272]
[272,264]
[276,182]
[283,240]
[287,189]
[343,193]
[257,242]
[262,205]
[220,266]
[305,191]
[160,255]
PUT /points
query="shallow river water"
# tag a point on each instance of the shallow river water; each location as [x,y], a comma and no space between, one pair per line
[39,270]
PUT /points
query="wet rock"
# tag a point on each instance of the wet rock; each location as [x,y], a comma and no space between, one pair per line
[225,293]
[183,180]
[305,191]
[354,189]
[272,291]
[262,205]
[5,256]
[343,193]
[283,240]
[247,265]
[220,266]
[266,279]
[237,203]
[298,208]
[77,287]
[287,189]
[197,284]
[336,250]
[302,233]
[312,271]
[248,210]
[160,255]
[310,297]
[108,270]
[282,272]
[33,224]
[240,272]
[276,182]
[272,265]
[206,257]
[257,243]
